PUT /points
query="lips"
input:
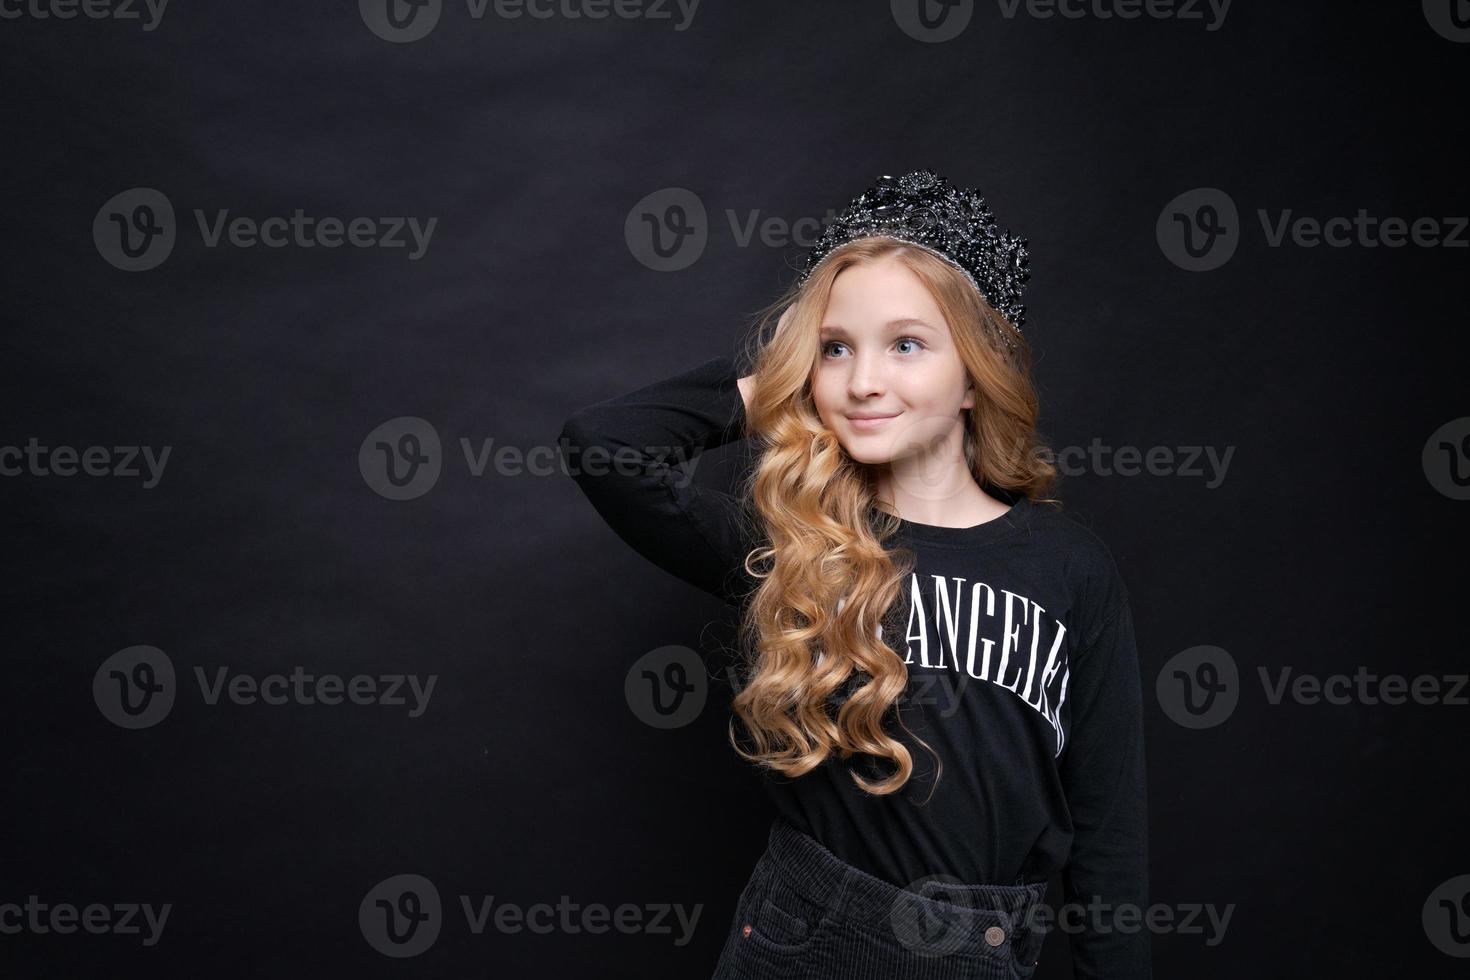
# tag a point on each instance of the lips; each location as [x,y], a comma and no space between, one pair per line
[863,423]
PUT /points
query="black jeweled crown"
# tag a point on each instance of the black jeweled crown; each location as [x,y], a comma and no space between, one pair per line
[956,224]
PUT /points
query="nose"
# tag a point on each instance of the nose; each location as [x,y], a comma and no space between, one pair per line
[866,378]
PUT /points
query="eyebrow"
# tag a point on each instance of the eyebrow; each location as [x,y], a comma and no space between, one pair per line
[905,323]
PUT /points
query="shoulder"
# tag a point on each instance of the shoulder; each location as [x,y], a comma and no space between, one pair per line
[1087,565]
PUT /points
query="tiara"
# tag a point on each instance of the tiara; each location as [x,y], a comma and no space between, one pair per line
[921,208]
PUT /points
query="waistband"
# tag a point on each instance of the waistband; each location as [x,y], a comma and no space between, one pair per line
[936,909]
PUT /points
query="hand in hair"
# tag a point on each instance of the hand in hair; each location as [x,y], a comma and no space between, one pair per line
[747,383]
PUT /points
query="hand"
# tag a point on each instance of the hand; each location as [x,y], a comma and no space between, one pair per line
[747,383]
[785,319]
[747,389]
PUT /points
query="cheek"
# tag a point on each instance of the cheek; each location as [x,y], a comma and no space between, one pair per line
[933,391]
[823,396]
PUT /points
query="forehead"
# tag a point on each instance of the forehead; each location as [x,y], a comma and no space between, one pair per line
[876,295]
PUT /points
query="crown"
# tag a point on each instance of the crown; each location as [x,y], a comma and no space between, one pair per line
[921,208]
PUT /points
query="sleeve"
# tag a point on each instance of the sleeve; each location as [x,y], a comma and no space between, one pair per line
[1104,781]
[620,455]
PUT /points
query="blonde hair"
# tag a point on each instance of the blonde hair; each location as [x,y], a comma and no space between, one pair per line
[813,627]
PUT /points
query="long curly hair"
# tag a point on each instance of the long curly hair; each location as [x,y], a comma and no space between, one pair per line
[818,677]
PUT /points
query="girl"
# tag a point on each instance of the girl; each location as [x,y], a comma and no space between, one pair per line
[940,672]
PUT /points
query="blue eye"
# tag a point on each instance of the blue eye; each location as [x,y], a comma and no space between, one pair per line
[902,340]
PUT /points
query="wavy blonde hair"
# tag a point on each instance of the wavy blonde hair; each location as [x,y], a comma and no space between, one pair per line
[828,584]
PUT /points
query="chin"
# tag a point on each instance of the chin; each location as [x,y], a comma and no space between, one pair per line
[867,453]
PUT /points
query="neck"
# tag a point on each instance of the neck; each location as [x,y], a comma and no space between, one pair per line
[934,485]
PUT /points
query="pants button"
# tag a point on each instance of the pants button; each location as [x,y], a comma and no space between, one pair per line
[995,935]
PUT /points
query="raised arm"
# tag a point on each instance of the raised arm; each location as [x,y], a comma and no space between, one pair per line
[626,453]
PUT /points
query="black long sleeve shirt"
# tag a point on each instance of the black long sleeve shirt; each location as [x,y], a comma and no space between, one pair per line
[1023,676]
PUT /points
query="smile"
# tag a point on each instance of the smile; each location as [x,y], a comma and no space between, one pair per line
[864,425]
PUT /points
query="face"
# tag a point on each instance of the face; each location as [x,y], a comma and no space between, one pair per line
[890,382]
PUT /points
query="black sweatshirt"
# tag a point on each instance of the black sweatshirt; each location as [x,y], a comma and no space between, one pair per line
[1023,676]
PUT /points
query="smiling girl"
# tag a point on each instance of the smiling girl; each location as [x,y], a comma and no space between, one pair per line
[940,673]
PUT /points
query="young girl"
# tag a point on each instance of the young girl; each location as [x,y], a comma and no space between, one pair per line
[940,667]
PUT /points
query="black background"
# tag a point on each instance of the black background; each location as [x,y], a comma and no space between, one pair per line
[1325,548]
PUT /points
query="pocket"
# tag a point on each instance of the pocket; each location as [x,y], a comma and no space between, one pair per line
[753,892]
[784,920]
[1023,969]
[1022,949]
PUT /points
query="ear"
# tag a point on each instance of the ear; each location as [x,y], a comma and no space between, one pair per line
[969,401]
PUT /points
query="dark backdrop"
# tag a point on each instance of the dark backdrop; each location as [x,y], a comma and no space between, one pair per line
[547,151]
